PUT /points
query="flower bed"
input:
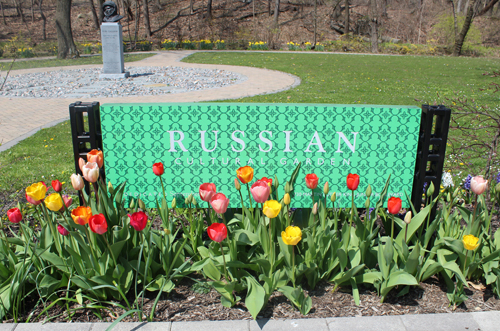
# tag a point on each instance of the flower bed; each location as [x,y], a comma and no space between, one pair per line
[108,251]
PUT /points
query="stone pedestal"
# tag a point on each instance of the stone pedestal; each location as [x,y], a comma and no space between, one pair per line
[112,51]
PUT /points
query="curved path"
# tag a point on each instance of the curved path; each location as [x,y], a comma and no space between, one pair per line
[22,117]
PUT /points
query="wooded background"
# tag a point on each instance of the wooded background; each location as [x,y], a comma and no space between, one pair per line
[440,22]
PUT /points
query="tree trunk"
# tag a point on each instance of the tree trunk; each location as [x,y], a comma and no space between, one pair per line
[191,6]
[32,12]
[137,19]
[94,14]
[454,19]
[19,10]
[3,13]
[209,9]
[276,13]
[459,41]
[459,4]
[146,17]
[489,6]
[373,23]
[65,44]
[315,22]
[346,18]
[269,7]
[44,21]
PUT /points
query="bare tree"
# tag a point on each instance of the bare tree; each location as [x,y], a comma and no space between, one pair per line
[94,14]
[209,9]
[346,18]
[374,28]
[3,13]
[65,44]
[146,17]
[276,12]
[459,41]
[44,20]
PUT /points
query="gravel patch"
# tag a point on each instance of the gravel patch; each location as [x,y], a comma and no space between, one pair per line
[143,81]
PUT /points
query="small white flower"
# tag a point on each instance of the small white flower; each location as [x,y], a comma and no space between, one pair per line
[446,180]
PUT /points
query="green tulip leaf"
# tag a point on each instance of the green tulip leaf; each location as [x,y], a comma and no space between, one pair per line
[255,297]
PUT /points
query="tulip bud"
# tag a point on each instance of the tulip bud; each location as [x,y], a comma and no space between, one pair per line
[110,188]
[81,163]
[315,208]
[77,182]
[368,191]
[448,197]
[237,184]
[193,200]
[287,187]
[167,231]
[186,201]
[286,199]
[367,203]
[173,203]
[333,197]
[132,204]
[497,188]
[326,188]
[430,191]
[455,193]
[407,219]
[276,183]
[141,204]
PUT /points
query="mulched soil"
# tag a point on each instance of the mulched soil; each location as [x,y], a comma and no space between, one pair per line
[188,301]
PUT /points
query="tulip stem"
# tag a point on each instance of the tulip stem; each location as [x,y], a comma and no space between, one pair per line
[242,204]
[473,214]
[392,227]
[293,265]
[209,214]
[406,231]
[163,189]
[94,185]
[465,262]
[224,260]
[82,199]
[110,250]
[271,250]
[335,220]
[249,196]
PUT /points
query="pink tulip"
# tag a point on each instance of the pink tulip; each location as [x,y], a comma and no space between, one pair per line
[91,172]
[67,201]
[260,191]
[33,201]
[207,191]
[219,203]
[81,164]
[77,181]
[478,185]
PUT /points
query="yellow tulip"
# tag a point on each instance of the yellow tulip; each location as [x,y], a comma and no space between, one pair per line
[292,235]
[36,191]
[271,208]
[54,202]
[470,242]
[286,199]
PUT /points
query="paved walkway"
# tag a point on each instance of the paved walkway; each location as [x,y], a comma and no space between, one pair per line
[480,321]
[21,117]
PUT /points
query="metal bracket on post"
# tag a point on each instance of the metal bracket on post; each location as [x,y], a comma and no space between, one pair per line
[433,135]
[85,140]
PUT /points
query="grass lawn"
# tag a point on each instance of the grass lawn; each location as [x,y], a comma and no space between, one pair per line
[326,78]
[67,62]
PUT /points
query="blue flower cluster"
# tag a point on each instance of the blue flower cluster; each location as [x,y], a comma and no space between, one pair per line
[467,182]
[498,177]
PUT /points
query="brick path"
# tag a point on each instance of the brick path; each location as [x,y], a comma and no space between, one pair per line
[21,117]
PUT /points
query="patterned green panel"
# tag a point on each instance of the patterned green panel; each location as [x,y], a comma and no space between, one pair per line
[330,141]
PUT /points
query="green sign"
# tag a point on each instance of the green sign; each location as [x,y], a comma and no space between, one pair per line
[207,142]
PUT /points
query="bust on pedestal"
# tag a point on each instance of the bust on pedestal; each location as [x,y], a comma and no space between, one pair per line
[112,43]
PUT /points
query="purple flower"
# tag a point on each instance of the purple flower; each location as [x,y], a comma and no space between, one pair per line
[467,182]
[498,177]
[425,187]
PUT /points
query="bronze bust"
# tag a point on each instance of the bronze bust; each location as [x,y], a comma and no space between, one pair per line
[110,12]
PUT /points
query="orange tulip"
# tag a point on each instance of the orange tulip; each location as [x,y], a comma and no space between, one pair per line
[81,215]
[245,174]
[96,156]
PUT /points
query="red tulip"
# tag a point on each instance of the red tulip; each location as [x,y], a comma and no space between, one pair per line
[260,191]
[207,191]
[394,205]
[269,181]
[219,203]
[98,224]
[217,232]
[14,215]
[62,230]
[352,182]
[312,181]
[158,169]
[138,220]
[56,185]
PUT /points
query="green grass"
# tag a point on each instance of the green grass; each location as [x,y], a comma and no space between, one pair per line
[368,79]
[45,156]
[326,78]
[67,62]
